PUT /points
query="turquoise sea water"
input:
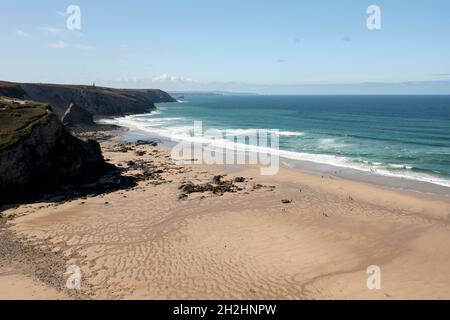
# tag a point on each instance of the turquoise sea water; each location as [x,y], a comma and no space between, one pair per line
[397,136]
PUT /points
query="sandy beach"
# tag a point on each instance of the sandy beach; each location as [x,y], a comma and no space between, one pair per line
[239,242]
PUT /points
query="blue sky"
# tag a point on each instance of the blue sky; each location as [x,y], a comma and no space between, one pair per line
[225,45]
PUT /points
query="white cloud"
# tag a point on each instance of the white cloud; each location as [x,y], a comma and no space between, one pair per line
[60,33]
[53,31]
[23,34]
[58,45]
[63,45]
[168,78]
[61,14]
[128,80]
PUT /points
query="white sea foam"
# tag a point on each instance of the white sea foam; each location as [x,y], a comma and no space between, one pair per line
[291,134]
[330,143]
[184,133]
[243,132]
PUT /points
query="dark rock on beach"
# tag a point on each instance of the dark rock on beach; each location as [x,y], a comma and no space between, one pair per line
[216,179]
[286,200]
[217,187]
[144,143]
[140,153]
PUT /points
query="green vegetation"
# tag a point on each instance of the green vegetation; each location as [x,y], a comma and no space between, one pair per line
[18,118]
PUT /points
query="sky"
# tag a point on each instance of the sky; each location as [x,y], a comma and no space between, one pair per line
[285,47]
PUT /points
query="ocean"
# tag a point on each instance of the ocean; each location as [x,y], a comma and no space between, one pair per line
[387,138]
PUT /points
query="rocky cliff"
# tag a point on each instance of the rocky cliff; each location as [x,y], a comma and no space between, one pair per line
[76,116]
[37,152]
[98,101]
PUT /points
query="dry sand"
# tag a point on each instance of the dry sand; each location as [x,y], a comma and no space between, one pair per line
[145,243]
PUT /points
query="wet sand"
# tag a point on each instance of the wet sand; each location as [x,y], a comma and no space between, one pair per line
[147,242]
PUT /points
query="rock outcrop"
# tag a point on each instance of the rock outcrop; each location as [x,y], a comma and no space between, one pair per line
[37,152]
[76,116]
[99,101]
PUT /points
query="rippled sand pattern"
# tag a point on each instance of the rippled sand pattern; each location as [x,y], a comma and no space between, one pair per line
[147,244]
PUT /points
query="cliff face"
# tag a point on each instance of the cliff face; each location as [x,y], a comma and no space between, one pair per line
[75,116]
[98,101]
[37,152]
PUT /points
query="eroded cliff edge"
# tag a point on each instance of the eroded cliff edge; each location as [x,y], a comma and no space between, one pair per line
[99,101]
[37,152]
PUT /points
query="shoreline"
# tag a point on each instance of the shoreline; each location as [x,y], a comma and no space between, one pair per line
[329,172]
[319,169]
[235,240]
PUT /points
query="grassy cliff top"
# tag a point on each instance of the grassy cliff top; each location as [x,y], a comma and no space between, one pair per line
[18,117]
